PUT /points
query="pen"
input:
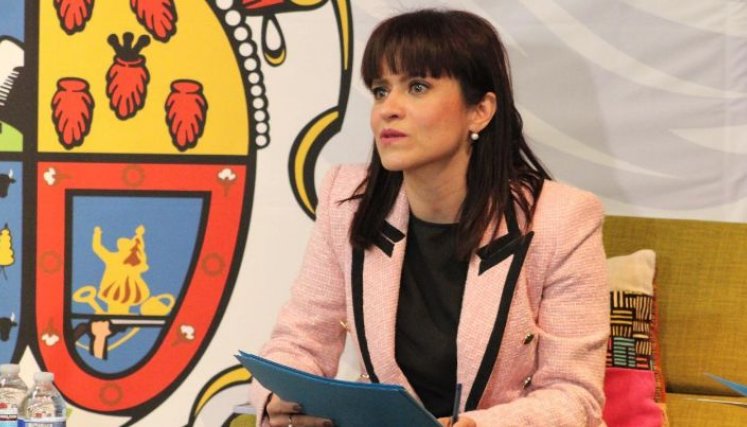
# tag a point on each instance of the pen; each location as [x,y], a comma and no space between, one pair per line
[455,411]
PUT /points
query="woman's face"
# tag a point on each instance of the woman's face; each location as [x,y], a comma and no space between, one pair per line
[421,124]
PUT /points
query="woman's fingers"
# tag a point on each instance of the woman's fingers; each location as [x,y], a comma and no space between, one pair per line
[463,422]
[298,420]
[277,405]
[282,413]
[309,421]
[279,411]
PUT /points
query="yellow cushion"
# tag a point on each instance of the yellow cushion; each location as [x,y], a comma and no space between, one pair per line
[685,410]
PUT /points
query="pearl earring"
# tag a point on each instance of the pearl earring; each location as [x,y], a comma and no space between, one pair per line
[474,136]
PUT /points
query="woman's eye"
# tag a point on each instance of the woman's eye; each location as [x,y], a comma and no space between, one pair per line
[378,92]
[418,87]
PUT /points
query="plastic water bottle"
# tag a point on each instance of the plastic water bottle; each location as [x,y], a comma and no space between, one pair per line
[12,392]
[43,405]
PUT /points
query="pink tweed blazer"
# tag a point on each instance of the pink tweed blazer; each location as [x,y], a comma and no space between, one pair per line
[532,335]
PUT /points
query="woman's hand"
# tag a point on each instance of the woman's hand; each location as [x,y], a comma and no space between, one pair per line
[290,414]
[463,422]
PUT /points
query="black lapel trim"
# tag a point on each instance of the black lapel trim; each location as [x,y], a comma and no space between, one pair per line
[494,343]
[357,295]
[498,250]
[501,248]
[387,238]
[385,245]
[392,233]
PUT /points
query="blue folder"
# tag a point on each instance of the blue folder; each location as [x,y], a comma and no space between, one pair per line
[346,403]
[739,388]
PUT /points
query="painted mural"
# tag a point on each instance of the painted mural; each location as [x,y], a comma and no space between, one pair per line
[130,134]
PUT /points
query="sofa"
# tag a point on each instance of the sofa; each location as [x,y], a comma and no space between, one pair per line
[700,295]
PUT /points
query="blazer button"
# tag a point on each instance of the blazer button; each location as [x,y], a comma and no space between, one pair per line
[364,376]
[527,382]
[528,338]
[344,325]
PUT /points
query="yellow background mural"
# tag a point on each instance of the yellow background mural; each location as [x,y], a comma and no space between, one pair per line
[198,51]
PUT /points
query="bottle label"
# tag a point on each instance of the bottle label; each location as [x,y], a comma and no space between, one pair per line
[9,416]
[42,422]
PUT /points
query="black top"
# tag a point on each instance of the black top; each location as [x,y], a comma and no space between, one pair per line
[430,301]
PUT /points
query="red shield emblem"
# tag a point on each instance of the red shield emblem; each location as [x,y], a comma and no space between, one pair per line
[143,174]
[154,306]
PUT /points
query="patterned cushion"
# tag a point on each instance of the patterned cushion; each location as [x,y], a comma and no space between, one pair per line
[630,343]
[634,383]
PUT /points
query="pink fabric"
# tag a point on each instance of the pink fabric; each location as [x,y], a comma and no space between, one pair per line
[630,398]
[561,297]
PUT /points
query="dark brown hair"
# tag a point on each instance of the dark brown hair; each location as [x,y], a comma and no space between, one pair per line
[501,169]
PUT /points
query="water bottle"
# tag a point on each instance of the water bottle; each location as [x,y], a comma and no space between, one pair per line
[43,405]
[12,392]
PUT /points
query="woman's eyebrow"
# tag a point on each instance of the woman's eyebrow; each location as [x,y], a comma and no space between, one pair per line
[379,82]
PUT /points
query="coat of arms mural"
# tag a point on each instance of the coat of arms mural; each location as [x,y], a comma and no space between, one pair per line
[130,134]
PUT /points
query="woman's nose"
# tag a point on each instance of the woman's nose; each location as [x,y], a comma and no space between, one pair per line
[391,107]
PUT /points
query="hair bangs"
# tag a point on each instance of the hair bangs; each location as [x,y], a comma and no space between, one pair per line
[413,45]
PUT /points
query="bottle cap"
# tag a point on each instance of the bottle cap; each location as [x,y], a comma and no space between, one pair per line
[43,377]
[9,369]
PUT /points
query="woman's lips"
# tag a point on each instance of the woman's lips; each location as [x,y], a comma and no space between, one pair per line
[389,136]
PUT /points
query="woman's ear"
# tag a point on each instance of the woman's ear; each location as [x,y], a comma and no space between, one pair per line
[483,112]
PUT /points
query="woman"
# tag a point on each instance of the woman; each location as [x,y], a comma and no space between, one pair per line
[452,257]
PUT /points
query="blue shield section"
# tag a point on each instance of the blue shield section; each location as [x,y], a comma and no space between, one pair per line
[11,242]
[170,225]
[11,18]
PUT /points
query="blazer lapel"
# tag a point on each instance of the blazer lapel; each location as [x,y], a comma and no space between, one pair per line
[375,290]
[491,279]
[492,274]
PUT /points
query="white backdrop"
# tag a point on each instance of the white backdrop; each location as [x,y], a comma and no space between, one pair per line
[642,102]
